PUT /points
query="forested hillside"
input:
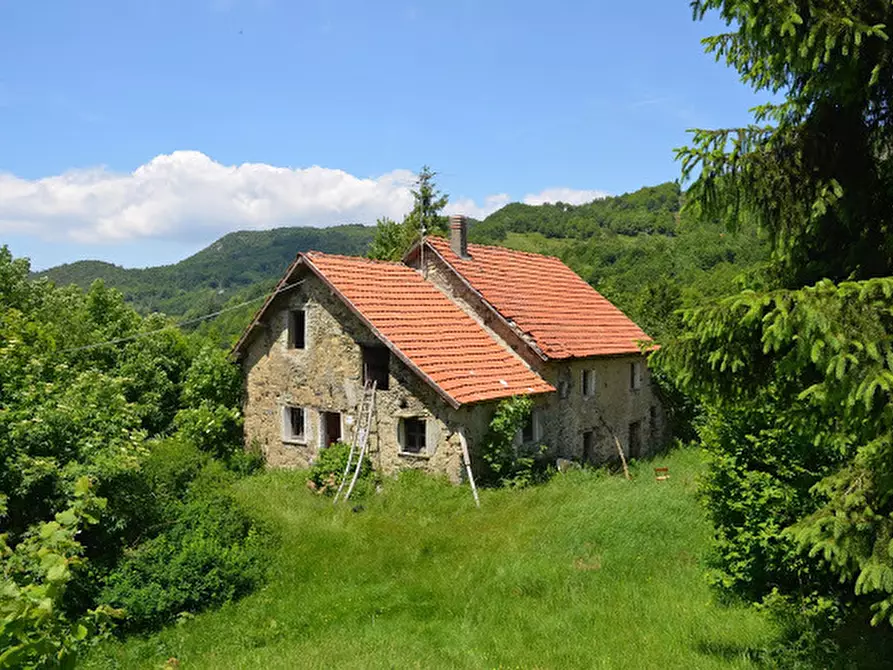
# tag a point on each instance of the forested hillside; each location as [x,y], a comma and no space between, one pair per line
[207,279]
[637,249]
[641,250]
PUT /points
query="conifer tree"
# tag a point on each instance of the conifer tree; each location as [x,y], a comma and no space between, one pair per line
[392,240]
[796,374]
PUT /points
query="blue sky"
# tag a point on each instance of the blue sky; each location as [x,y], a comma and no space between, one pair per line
[138,131]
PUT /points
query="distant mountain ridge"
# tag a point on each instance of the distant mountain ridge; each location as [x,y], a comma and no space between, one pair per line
[638,249]
[245,257]
[235,261]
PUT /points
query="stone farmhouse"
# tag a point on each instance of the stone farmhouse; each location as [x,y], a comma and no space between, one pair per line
[444,335]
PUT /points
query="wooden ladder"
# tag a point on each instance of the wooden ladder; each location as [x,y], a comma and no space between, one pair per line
[360,439]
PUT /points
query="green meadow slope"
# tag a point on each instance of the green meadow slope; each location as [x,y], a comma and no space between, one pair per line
[587,571]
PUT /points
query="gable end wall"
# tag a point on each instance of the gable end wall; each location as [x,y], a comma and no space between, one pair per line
[327,376]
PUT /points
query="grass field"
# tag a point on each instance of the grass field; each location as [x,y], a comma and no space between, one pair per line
[587,571]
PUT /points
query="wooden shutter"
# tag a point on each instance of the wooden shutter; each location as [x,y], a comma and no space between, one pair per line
[283,422]
[432,434]
[537,425]
[401,435]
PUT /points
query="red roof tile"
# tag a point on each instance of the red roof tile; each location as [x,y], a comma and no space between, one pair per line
[545,299]
[433,334]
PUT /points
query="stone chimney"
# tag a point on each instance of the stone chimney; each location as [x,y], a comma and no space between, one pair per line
[459,235]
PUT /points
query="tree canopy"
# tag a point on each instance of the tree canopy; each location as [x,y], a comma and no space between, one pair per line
[796,373]
[393,239]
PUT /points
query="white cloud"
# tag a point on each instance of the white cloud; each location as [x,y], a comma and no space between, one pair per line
[568,196]
[187,196]
[469,207]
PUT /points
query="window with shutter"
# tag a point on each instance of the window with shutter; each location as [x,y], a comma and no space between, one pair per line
[533,429]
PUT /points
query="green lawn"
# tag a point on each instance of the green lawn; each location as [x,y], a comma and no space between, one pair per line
[588,571]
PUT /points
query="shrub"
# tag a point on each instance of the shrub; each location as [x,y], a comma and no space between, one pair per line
[506,464]
[34,629]
[211,554]
[246,462]
[171,468]
[328,469]
[215,429]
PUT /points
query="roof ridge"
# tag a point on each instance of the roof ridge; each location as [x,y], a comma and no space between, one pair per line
[312,253]
[552,308]
[496,247]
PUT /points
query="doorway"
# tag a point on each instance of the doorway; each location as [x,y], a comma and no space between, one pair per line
[635,439]
[588,446]
[331,428]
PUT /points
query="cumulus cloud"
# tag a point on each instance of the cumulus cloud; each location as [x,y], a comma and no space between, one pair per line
[186,195]
[469,207]
[568,196]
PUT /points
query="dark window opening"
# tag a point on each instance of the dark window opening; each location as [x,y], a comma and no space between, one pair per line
[376,362]
[635,376]
[297,325]
[635,439]
[527,431]
[588,446]
[588,383]
[414,435]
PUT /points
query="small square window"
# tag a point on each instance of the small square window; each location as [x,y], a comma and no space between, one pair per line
[413,434]
[588,383]
[297,327]
[376,362]
[293,424]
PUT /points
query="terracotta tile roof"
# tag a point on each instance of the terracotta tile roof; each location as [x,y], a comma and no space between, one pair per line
[563,315]
[433,334]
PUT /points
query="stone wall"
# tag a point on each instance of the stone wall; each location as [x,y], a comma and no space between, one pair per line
[326,376]
[608,412]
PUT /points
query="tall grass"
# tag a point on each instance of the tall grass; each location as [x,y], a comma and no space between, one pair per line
[587,571]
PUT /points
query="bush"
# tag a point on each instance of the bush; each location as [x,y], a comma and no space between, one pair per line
[506,464]
[211,551]
[215,429]
[246,462]
[35,631]
[171,468]
[328,469]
